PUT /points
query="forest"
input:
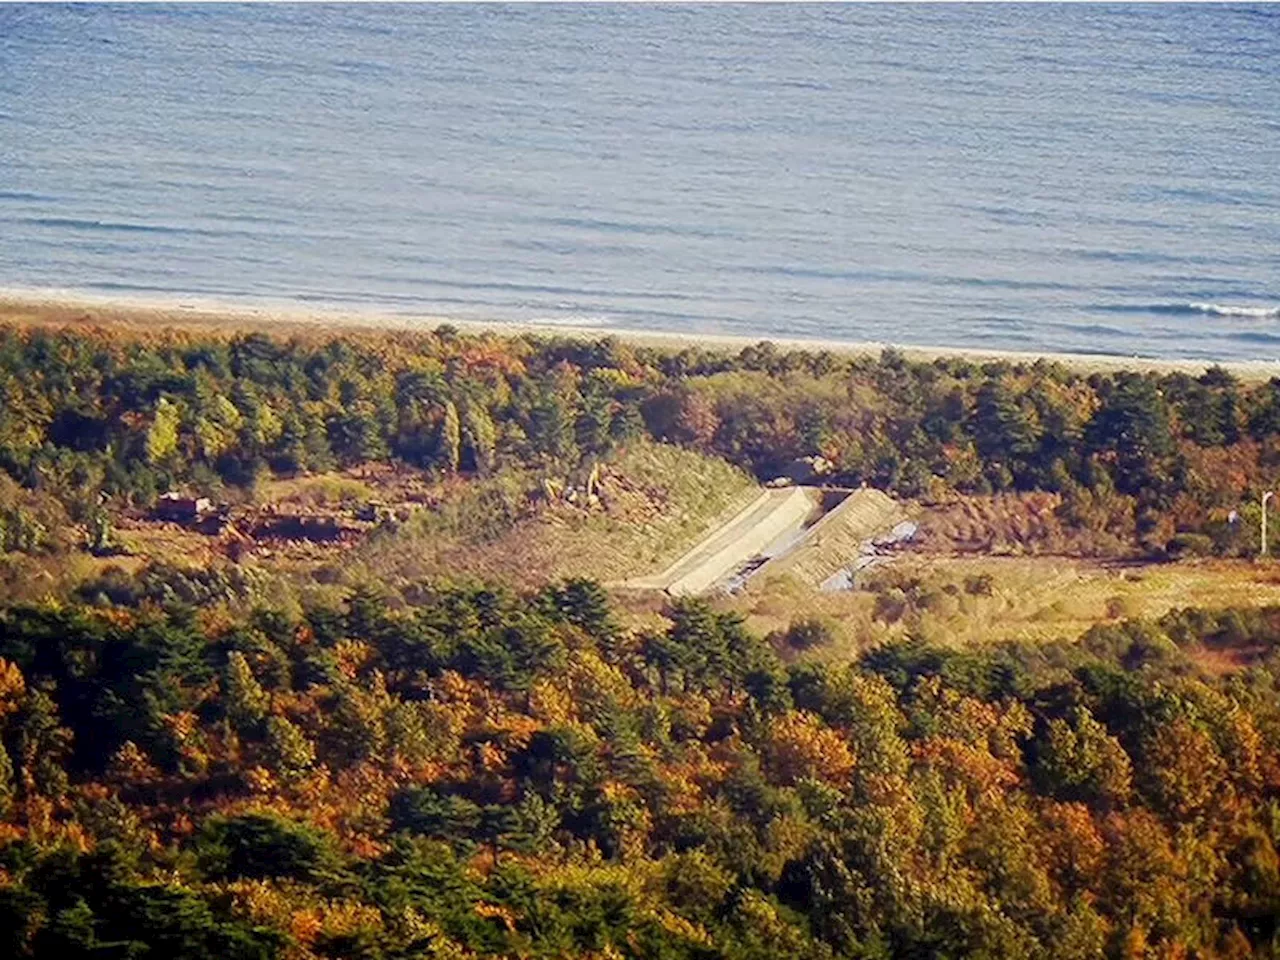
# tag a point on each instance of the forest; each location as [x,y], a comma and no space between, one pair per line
[1160,463]
[494,774]
[194,765]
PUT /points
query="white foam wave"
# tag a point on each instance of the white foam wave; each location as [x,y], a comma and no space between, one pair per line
[1229,310]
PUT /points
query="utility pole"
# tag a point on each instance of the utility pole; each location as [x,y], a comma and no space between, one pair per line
[1265,497]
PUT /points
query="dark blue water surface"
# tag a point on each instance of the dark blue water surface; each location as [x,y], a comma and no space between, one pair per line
[1099,179]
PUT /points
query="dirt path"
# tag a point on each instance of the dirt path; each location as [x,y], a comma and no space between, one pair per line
[771,516]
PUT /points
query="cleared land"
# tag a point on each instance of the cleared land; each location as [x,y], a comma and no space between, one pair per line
[655,501]
[972,601]
[773,515]
[833,542]
[1012,524]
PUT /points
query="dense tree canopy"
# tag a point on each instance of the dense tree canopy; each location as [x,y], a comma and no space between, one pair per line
[453,768]
[486,773]
[83,414]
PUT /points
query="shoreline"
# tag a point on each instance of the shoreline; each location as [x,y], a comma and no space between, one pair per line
[59,308]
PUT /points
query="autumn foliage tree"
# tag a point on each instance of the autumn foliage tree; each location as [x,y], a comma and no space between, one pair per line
[488,773]
[87,412]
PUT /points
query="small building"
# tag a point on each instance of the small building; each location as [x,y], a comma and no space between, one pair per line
[180,509]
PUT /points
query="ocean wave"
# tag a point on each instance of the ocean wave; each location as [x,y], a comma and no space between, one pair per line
[1255,336]
[1246,311]
[1227,310]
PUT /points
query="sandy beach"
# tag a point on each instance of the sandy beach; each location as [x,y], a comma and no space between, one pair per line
[57,308]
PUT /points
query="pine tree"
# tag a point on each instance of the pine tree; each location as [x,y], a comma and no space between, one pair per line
[480,437]
[43,746]
[498,826]
[247,702]
[162,436]
[1132,425]
[1079,760]
[289,751]
[450,445]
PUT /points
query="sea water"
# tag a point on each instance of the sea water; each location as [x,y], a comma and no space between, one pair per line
[1066,178]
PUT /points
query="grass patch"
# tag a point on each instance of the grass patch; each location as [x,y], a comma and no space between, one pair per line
[1036,599]
[655,501]
[319,491]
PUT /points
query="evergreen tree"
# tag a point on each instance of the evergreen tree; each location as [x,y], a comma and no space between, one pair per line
[246,701]
[43,747]
[479,437]
[162,435]
[289,751]
[1003,432]
[1077,759]
[1132,427]
[449,447]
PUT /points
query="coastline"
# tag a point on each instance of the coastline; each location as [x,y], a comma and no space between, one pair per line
[63,308]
